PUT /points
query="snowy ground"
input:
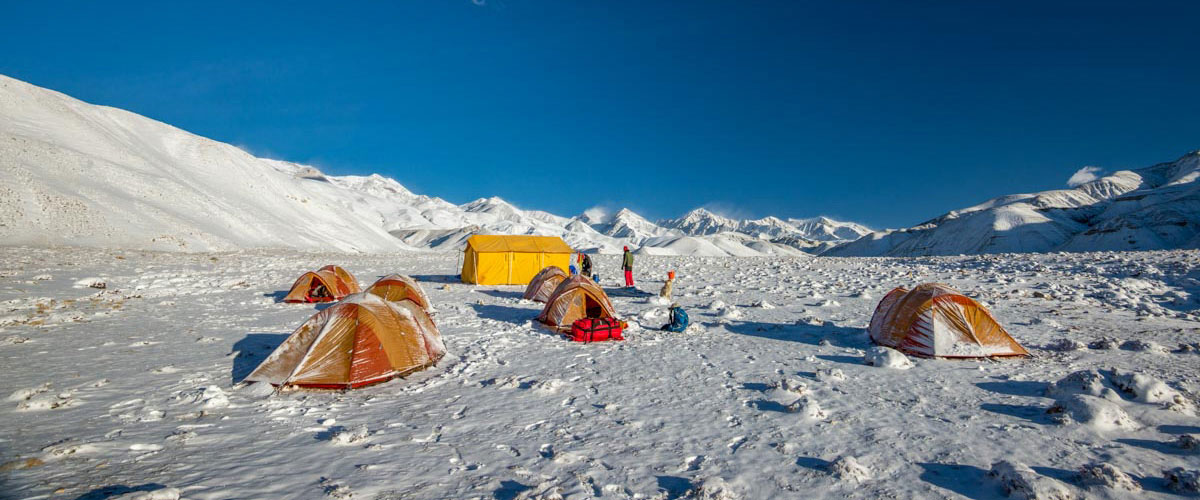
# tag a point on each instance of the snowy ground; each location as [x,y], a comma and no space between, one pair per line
[131,388]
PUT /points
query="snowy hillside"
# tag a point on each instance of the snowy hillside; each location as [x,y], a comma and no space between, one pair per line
[1152,208]
[79,174]
[87,175]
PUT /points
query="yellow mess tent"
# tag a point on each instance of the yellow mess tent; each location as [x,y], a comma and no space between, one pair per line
[511,260]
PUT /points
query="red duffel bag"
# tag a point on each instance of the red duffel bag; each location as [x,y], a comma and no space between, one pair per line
[595,330]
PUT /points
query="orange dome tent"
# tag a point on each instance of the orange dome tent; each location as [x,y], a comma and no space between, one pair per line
[934,320]
[360,341]
[544,284]
[325,285]
[575,298]
[400,287]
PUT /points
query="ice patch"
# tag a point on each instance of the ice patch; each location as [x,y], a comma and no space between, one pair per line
[790,385]
[91,283]
[807,408]
[1064,345]
[831,375]
[1187,442]
[1088,382]
[1143,387]
[24,394]
[1143,346]
[550,386]
[1019,481]
[886,357]
[349,436]
[1105,475]
[209,397]
[64,450]
[1182,480]
[848,469]
[713,488]
[1091,411]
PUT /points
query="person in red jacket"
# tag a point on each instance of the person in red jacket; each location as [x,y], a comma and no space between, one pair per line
[627,266]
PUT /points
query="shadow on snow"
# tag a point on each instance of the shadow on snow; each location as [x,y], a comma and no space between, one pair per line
[507,314]
[966,480]
[252,350]
[1016,387]
[120,489]
[437,278]
[839,336]
[503,294]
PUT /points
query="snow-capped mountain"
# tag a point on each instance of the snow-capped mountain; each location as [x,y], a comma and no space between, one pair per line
[73,173]
[700,222]
[797,233]
[826,229]
[1152,208]
[624,224]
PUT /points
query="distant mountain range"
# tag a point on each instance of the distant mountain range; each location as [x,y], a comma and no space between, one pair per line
[73,173]
[1151,208]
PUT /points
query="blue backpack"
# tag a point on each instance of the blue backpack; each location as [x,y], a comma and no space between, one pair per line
[679,320]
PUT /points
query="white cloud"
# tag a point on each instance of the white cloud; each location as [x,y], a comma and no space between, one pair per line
[727,210]
[1084,176]
[598,212]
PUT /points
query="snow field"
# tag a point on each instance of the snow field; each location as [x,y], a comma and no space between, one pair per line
[132,389]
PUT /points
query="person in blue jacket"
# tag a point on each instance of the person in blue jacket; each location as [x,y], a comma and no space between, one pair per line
[679,319]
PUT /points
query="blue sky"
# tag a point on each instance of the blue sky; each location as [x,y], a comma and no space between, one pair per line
[888,113]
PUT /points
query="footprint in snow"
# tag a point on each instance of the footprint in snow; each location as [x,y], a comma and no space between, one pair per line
[736,443]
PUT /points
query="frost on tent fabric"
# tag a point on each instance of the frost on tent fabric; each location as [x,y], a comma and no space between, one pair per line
[362,340]
[330,283]
[575,298]
[544,284]
[934,320]
[397,287]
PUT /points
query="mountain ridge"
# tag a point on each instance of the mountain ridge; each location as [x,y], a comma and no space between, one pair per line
[1150,208]
[88,175]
